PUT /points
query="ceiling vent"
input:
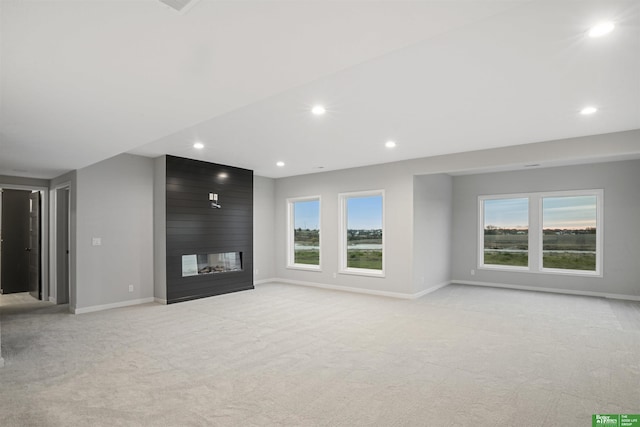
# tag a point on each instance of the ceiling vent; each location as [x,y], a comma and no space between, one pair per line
[181,6]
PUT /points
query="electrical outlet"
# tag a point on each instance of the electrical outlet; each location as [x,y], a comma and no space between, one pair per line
[130,288]
[256,271]
[96,241]
[473,272]
[335,275]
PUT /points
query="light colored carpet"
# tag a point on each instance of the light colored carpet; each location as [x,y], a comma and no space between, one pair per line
[295,356]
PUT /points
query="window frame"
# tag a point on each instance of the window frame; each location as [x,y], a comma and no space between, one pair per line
[342,234]
[481,225]
[599,194]
[291,264]
[536,233]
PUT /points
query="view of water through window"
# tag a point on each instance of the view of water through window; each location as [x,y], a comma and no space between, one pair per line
[364,232]
[306,232]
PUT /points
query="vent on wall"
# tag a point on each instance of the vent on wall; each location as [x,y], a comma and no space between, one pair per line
[181,6]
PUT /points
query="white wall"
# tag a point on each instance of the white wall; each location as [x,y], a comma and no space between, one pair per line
[397,182]
[114,203]
[263,228]
[621,184]
[432,231]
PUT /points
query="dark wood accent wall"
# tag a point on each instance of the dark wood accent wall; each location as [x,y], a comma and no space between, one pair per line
[194,227]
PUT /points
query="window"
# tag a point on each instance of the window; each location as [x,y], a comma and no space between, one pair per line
[304,233]
[569,232]
[559,232]
[362,233]
[506,232]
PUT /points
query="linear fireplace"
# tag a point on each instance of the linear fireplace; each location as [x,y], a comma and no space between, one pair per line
[197,264]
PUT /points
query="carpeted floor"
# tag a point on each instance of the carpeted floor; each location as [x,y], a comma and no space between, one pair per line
[295,356]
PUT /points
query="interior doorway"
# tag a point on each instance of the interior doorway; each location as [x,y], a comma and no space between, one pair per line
[35,244]
[15,236]
[62,239]
[24,242]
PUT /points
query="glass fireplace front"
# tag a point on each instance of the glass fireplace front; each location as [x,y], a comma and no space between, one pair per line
[198,264]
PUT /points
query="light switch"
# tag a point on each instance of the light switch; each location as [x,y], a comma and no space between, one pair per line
[96,241]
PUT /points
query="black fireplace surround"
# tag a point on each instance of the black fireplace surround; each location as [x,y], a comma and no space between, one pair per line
[213,244]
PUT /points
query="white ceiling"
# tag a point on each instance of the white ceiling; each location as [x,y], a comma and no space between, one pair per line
[84,81]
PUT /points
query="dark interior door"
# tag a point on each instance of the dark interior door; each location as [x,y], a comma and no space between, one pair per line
[35,284]
[15,241]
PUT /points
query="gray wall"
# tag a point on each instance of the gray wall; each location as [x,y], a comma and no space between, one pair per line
[18,180]
[432,228]
[263,228]
[92,211]
[397,182]
[115,203]
[586,149]
[160,228]
[404,254]
[621,184]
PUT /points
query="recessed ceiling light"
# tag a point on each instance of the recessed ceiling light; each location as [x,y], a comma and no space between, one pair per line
[601,28]
[390,144]
[198,145]
[223,175]
[588,110]
[280,164]
[318,110]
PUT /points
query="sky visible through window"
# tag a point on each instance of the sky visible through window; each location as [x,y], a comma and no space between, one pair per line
[364,213]
[307,215]
[507,213]
[577,212]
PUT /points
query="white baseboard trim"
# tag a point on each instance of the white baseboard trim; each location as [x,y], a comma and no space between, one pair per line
[127,303]
[347,289]
[160,301]
[431,289]
[262,281]
[360,290]
[551,290]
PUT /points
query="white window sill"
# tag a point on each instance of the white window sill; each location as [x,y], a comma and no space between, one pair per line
[304,267]
[363,272]
[554,271]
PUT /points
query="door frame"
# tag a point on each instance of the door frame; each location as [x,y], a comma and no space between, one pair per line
[53,240]
[44,229]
